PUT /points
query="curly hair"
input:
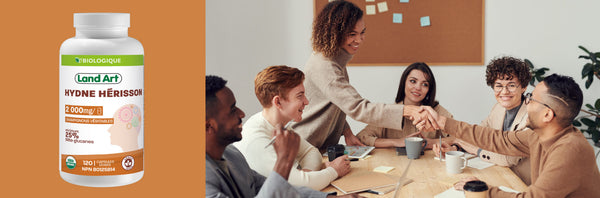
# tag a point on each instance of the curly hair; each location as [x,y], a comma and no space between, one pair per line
[509,67]
[214,84]
[276,81]
[429,99]
[332,25]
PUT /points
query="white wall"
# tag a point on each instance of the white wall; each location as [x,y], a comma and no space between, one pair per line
[244,37]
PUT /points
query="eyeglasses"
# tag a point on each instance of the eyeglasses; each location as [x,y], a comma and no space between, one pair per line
[510,87]
[528,99]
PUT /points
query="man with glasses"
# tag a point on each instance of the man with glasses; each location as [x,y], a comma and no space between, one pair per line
[562,160]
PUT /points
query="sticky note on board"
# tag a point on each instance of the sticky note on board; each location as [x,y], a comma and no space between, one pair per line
[425,21]
[382,6]
[403,1]
[383,169]
[370,9]
[397,18]
[370,0]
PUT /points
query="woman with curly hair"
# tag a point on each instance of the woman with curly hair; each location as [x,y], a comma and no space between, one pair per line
[508,77]
[338,31]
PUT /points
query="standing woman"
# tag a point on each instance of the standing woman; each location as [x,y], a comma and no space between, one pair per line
[338,31]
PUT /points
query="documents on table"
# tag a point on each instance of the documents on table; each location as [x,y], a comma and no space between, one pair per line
[478,163]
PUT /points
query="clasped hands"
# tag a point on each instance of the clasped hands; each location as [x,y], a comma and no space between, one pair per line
[424,117]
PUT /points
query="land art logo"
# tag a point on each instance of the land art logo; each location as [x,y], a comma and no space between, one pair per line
[98,78]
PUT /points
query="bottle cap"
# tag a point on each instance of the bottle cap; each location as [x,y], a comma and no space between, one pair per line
[101,20]
[475,186]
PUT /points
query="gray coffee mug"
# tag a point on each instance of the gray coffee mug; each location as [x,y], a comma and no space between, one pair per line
[414,146]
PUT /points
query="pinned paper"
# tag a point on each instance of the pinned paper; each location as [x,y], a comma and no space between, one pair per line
[383,169]
[370,0]
[425,21]
[403,1]
[370,9]
[397,18]
[382,7]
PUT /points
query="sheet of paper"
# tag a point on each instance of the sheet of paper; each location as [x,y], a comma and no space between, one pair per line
[403,1]
[425,21]
[370,10]
[383,169]
[450,193]
[507,189]
[397,18]
[370,0]
[382,7]
[478,163]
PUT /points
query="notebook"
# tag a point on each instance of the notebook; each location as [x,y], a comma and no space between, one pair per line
[364,181]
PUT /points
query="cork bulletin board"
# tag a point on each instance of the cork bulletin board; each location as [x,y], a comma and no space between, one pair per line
[454,35]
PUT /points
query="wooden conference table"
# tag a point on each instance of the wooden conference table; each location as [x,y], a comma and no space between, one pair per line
[428,174]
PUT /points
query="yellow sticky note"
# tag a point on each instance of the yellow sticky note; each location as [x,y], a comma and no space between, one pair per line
[383,169]
[370,9]
[382,6]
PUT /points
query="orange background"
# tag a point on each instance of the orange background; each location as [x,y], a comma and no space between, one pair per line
[172,33]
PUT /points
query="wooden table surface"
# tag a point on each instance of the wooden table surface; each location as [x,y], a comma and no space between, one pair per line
[428,174]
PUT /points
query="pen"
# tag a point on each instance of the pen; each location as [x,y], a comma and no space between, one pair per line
[374,192]
[440,147]
[273,139]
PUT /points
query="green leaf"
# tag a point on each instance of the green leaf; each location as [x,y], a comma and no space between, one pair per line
[583,48]
[588,122]
[586,57]
[544,68]
[589,81]
[539,78]
[597,54]
[598,104]
[589,106]
[587,68]
[595,135]
[529,63]
[576,123]
[539,72]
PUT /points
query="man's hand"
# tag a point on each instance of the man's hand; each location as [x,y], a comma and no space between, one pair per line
[286,146]
[351,139]
[431,120]
[459,185]
[340,164]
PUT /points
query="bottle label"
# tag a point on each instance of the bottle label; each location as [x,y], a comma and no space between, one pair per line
[101,114]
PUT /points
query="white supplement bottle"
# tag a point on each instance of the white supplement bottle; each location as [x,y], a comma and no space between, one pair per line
[101,103]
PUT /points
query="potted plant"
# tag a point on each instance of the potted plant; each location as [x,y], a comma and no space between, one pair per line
[592,118]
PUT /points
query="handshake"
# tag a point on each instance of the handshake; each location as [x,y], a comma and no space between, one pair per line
[424,117]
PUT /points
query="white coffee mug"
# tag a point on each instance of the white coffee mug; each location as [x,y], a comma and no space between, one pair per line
[455,162]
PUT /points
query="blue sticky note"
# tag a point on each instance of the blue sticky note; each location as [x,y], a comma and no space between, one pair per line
[425,21]
[403,1]
[397,18]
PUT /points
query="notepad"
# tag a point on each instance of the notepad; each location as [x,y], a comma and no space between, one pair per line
[478,163]
[383,169]
[364,181]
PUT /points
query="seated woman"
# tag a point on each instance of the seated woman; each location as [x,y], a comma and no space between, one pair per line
[417,87]
[280,91]
[509,78]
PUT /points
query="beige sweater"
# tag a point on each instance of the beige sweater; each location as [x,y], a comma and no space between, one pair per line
[257,132]
[332,97]
[519,165]
[370,133]
[562,166]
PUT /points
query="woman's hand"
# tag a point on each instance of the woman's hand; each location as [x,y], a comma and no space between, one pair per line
[351,139]
[445,147]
